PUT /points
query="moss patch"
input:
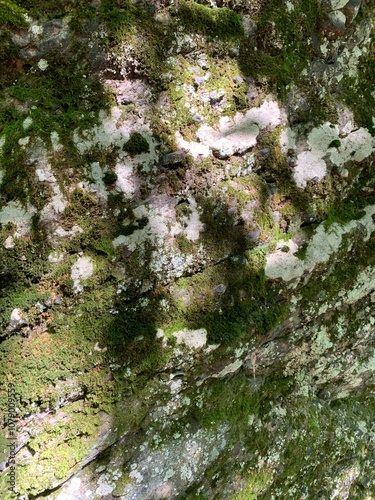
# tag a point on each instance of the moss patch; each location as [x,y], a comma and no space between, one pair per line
[12,14]
[219,23]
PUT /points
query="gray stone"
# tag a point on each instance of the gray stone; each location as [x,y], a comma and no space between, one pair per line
[216,97]
[173,158]
[337,19]
[253,235]
[16,319]
[220,289]
[199,80]
[265,151]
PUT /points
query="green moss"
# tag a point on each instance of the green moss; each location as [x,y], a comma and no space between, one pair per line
[61,447]
[256,484]
[335,144]
[249,307]
[219,23]
[184,244]
[61,100]
[341,272]
[136,144]
[230,401]
[358,92]
[109,178]
[22,268]
[282,50]
[64,98]
[105,246]
[12,14]
[135,25]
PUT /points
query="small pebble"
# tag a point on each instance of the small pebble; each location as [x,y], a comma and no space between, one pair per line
[253,235]
[220,289]
[199,80]
[265,151]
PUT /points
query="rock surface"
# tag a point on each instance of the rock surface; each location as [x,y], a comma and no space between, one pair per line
[187,264]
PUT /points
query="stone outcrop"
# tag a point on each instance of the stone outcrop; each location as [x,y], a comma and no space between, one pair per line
[187,245]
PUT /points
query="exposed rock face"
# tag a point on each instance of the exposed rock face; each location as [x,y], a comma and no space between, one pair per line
[187,247]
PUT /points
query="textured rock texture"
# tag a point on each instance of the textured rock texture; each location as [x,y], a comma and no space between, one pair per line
[187,249]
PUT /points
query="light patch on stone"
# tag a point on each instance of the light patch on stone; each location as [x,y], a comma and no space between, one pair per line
[287,139]
[170,473]
[45,174]
[370,364]
[344,482]
[2,142]
[125,179]
[337,4]
[324,48]
[114,129]
[284,265]
[322,245]
[56,206]
[42,64]
[71,490]
[196,149]
[36,29]
[55,141]
[55,257]
[193,224]
[97,184]
[194,339]
[15,213]
[337,18]
[357,146]
[82,269]
[365,283]
[310,164]
[9,242]
[238,134]
[231,368]
[322,342]
[137,476]
[24,141]
[346,121]
[27,122]
[16,319]
[289,6]
[173,263]
[63,233]
[104,488]
[161,224]
[267,115]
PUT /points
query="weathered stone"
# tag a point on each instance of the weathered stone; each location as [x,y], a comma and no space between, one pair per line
[173,158]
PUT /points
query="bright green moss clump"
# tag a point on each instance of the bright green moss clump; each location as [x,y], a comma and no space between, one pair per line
[214,23]
[11,14]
